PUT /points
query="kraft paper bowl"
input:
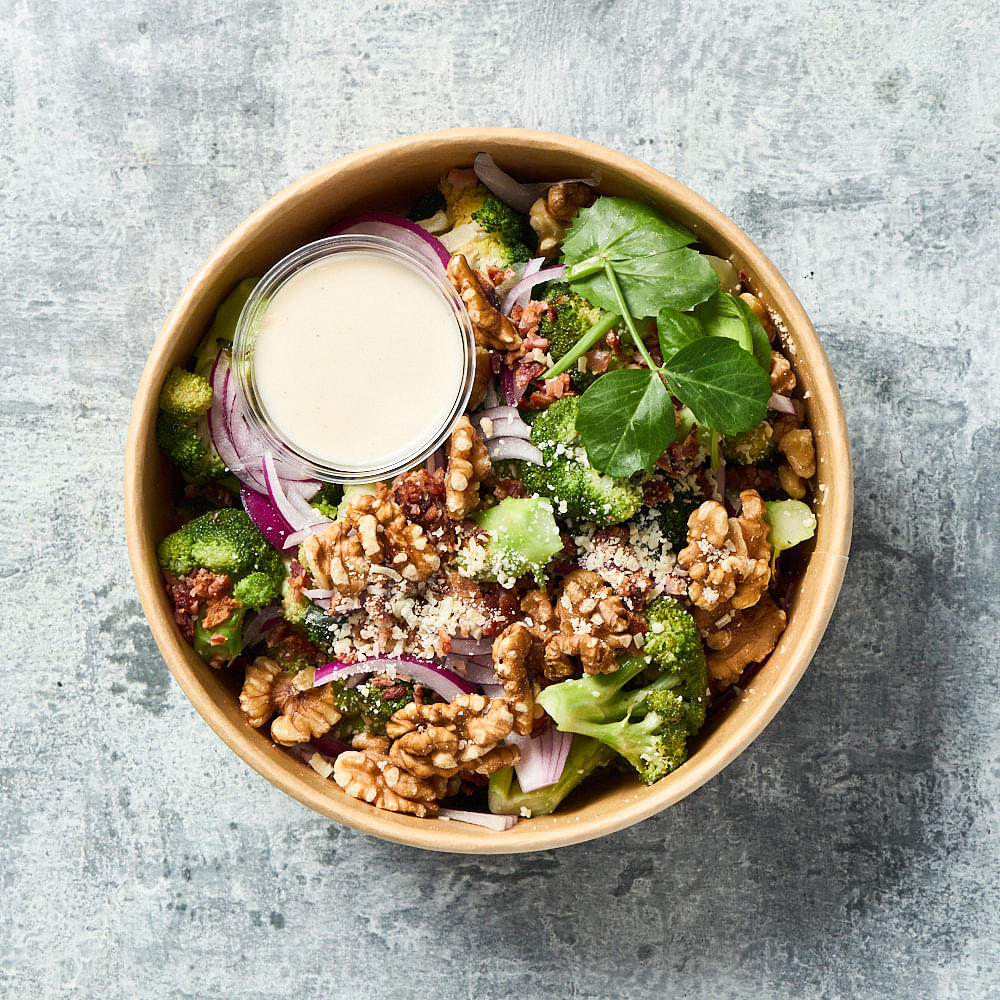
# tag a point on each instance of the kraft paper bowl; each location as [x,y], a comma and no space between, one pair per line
[385,177]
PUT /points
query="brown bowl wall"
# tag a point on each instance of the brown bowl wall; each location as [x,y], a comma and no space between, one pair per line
[385,176]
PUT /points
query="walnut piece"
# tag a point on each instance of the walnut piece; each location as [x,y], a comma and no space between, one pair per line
[304,711]
[444,739]
[747,638]
[727,558]
[550,216]
[336,560]
[492,329]
[512,656]
[468,466]
[368,775]
[481,378]
[797,446]
[388,539]
[258,684]
[782,377]
[593,623]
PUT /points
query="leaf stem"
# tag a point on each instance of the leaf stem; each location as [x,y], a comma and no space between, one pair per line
[584,269]
[584,344]
[609,273]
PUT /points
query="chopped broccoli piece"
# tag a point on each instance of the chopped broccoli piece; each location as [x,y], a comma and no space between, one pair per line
[184,395]
[791,522]
[189,447]
[649,722]
[753,448]
[327,500]
[225,542]
[673,516]
[577,490]
[523,537]
[366,706]
[507,799]
[574,317]
[320,627]
[472,211]
[427,205]
[223,329]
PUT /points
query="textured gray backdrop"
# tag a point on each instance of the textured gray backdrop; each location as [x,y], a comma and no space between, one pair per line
[852,851]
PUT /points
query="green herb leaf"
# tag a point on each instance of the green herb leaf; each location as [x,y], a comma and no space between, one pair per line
[676,330]
[725,315]
[626,421]
[722,384]
[648,254]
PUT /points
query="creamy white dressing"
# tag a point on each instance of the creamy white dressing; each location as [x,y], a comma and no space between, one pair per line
[358,360]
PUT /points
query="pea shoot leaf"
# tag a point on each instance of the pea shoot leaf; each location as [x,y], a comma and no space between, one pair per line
[676,330]
[723,386]
[725,315]
[626,421]
[649,256]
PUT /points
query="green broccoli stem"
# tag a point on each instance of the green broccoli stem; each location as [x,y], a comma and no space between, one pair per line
[609,273]
[231,630]
[584,344]
[507,799]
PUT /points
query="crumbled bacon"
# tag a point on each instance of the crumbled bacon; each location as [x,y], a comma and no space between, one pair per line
[502,607]
[657,491]
[187,593]
[682,457]
[555,388]
[421,497]
[509,488]
[598,361]
[526,372]
[498,275]
[528,318]
[614,342]
[219,610]
[750,477]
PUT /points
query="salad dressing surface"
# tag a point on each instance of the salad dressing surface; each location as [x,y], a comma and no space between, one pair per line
[358,358]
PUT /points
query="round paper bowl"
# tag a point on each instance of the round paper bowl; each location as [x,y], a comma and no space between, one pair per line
[386,177]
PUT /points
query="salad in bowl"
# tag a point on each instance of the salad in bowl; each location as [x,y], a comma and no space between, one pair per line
[598,555]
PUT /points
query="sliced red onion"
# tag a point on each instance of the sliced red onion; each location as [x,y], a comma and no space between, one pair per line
[781,404]
[298,537]
[291,505]
[508,301]
[218,423]
[478,674]
[519,196]
[445,682]
[397,229]
[265,516]
[435,460]
[471,647]
[326,744]
[720,480]
[543,757]
[483,659]
[489,820]
[521,292]
[504,421]
[255,628]
[493,690]
[503,449]
[509,388]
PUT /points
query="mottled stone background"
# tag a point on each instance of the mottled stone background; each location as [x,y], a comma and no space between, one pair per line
[852,851]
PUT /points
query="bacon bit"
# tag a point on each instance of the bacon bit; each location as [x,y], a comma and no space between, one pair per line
[614,342]
[443,643]
[657,491]
[531,343]
[598,361]
[526,372]
[187,593]
[557,387]
[502,607]
[217,640]
[498,275]
[750,477]
[219,610]
[531,315]
[681,458]
[569,550]
[421,496]
[509,488]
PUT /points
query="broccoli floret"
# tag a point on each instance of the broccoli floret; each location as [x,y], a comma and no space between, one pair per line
[791,522]
[223,329]
[507,799]
[672,516]
[523,537]
[185,395]
[327,500]
[189,447]
[483,247]
[366,706]
[225,542]
[321,628]
[574,317]
[648,722]
[753,448]
[577,490]
[427,205]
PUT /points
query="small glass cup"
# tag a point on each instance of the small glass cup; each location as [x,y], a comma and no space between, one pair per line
[245,339]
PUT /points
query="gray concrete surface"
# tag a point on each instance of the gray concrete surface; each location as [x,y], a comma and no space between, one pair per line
[852,852]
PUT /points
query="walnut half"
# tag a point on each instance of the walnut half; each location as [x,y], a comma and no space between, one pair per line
[491,327]
[727,558]
[468,466]
[550,216]
[304,711]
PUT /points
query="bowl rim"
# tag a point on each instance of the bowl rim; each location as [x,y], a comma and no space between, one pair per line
[534,835]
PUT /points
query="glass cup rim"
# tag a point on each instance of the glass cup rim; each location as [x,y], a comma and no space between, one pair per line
[245,337]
